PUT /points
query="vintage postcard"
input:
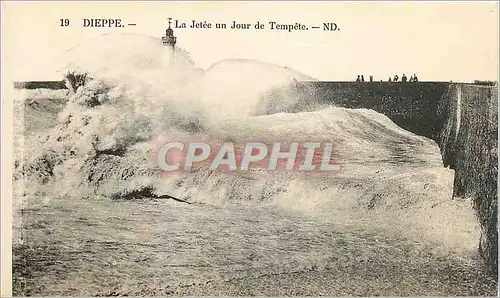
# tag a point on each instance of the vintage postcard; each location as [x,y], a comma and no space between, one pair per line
[249,148]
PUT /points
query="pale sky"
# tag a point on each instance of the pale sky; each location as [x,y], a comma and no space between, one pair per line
[440,41]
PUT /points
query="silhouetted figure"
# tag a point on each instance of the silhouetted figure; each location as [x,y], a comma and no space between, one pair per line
[396,78]
[358,79]
[362,78]
[371,78]
[390,80]
[411,79]
[415,79]
[404,78]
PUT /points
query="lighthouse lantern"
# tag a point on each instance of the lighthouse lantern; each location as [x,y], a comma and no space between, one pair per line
[169,39]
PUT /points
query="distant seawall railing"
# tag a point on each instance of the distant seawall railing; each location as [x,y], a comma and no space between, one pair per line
[462,119]
[54,85]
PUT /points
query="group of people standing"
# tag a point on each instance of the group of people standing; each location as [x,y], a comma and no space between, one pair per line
[361,78]
[404,79]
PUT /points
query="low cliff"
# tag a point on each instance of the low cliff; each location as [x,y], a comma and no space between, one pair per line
[461,118]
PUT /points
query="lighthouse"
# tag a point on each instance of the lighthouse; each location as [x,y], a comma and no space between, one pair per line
[169,39]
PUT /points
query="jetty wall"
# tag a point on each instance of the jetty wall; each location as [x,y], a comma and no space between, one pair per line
[469,145]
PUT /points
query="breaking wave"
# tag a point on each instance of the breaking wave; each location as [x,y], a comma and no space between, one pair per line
[139,90]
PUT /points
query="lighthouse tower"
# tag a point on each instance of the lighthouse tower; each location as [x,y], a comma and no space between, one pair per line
[169,39]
